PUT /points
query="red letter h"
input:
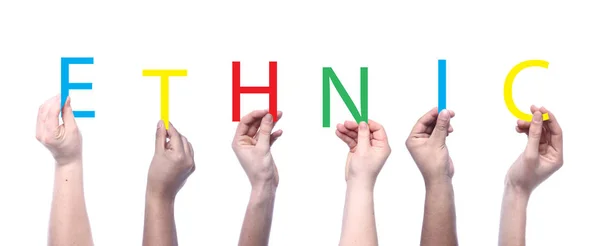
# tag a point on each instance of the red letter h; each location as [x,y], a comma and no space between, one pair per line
[271,90]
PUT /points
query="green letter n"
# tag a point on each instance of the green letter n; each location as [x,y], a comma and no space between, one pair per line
[328,75]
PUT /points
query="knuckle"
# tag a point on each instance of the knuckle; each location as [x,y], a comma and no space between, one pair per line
[441,127]
[535,134]
[190,163]
[179,157]
[45,139]
[265,132]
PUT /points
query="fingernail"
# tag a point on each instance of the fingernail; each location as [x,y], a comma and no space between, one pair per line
[268,117]
[444,115]
[160,124]
[537,117]
[362,125]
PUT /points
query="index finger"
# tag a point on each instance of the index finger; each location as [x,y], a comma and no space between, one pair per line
[425,121]
[377,130]
[556,138]
[247,120]
[53,113]
[174,138]
[552,122]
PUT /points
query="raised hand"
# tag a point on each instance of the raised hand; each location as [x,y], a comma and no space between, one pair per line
[368,149]
[62,140]
[543,154]
[172,164]
[427,145]
[69,223]
[252,146]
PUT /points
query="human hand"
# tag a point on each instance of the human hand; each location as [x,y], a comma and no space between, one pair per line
[427,146]
[64,141]
[172,164]
[252,146]
[369,149]
[543,154]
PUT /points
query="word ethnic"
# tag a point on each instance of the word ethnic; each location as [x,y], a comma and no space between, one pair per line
[329,78]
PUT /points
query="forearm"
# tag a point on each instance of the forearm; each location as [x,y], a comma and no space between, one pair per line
[439,219]
[159,221]
[358,226]
[69,223]
[514,217]
[259,215]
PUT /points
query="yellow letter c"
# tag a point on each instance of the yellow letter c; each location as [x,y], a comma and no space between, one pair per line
[510,78]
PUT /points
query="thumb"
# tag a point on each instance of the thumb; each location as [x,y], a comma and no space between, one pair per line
[266,126]
[441,127]
[161,136]
[67,114]
[364,135]
[535,134]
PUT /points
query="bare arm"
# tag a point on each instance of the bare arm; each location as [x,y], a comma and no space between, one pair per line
[439,219]
[513,218]
[358,226]
[259,215]
[427,146]
[172,164]
[542,157]
[69,223]
[159,221]
[252,147]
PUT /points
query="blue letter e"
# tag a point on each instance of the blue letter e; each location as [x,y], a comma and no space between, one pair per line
[66,86]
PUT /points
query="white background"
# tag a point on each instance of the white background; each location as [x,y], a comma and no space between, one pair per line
[399,42]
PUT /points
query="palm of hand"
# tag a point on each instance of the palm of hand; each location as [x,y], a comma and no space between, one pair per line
[252,146]
[543,155]
[427,144]
[430,156]
[531,169]
[258,161]
[64,140]
[369,157]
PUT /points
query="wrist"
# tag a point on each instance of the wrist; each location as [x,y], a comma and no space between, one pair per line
[155,198]
[73,170]
[516,191]
[73,164]
[68,161]
[360,184]
[440,181]
[264,187]
[262,193]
